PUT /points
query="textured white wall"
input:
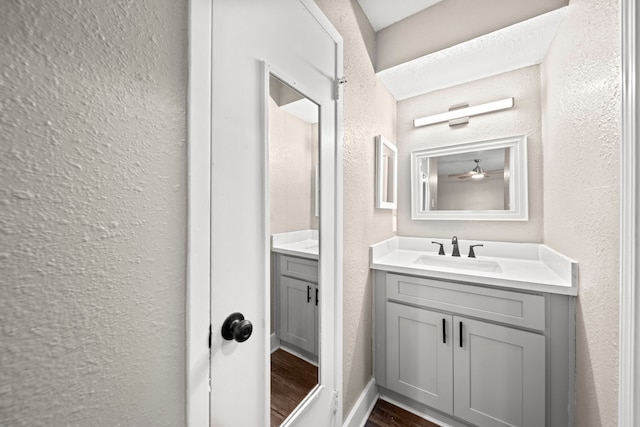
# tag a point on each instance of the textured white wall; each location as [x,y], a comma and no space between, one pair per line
[581,134]
[523,118]
[93,212]
[369,110]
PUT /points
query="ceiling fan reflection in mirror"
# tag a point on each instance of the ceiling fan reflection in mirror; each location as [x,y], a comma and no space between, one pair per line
[476,173]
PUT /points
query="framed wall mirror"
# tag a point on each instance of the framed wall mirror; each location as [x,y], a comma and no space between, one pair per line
[483,180]
[294,225]
[386,174]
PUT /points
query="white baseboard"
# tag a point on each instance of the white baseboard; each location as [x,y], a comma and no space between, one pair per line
[309,358]
[275,342]
[363,406]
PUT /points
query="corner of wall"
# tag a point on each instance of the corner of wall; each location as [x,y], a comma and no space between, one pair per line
[580,79]
[369,110]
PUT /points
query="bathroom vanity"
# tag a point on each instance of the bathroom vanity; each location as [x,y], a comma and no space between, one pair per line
[486,341]
[295,280]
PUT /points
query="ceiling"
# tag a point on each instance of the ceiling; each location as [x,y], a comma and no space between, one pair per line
[382,13]
[426,45]
[292,101]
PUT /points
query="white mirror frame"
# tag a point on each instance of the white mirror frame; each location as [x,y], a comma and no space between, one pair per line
[381,200]
[518,181]
[629,336]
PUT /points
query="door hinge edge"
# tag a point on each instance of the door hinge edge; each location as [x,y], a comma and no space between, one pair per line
[337,83]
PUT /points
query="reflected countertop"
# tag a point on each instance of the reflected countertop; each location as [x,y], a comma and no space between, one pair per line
[302,243]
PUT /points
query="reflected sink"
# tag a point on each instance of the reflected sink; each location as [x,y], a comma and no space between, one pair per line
[305,244]
[309,244]
[458,263]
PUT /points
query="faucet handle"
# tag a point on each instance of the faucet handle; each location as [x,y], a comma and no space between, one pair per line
[472,254]
[441,251]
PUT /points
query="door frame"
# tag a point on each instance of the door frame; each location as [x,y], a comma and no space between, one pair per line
[198,296]
[199,139]
[629,326]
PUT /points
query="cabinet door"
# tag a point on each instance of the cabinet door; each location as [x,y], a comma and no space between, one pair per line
[298,313]
[419,355]
[499,377]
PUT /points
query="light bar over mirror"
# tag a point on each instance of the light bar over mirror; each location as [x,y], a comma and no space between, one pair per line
[476,110]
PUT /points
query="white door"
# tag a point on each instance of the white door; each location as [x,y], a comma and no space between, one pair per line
[249,39]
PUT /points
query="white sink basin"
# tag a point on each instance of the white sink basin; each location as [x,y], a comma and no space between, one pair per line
[458,263]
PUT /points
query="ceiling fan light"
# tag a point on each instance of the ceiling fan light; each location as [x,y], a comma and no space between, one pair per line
[478,172]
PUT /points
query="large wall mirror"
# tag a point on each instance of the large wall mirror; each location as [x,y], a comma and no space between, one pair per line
[294,228]
[483,180]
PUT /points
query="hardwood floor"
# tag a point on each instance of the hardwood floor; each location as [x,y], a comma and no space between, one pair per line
[385,414]
[291,380]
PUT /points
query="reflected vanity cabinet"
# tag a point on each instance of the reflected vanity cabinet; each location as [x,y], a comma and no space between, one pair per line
[297,298]
[472,355]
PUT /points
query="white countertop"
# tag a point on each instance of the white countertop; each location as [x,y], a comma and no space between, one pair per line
[526,266]
[302,243]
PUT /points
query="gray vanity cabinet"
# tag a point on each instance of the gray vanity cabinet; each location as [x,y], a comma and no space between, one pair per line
[474,355]
[419,355]
[499,375]
[494,375]
[297,282]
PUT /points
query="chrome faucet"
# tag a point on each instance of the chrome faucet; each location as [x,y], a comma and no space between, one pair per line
[456,250]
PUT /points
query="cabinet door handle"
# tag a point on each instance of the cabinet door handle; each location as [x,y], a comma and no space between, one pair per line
[444,331]
[460,334]
[316,296]
[308,293]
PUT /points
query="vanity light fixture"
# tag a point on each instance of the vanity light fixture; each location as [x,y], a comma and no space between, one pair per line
[489,107]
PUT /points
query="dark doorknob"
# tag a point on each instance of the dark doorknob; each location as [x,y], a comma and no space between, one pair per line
[236,327]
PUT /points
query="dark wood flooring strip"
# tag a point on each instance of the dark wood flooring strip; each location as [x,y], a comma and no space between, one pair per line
[291,380]
[385,414]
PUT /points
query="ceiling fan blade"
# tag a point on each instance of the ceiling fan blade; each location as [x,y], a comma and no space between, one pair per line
[458,175]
